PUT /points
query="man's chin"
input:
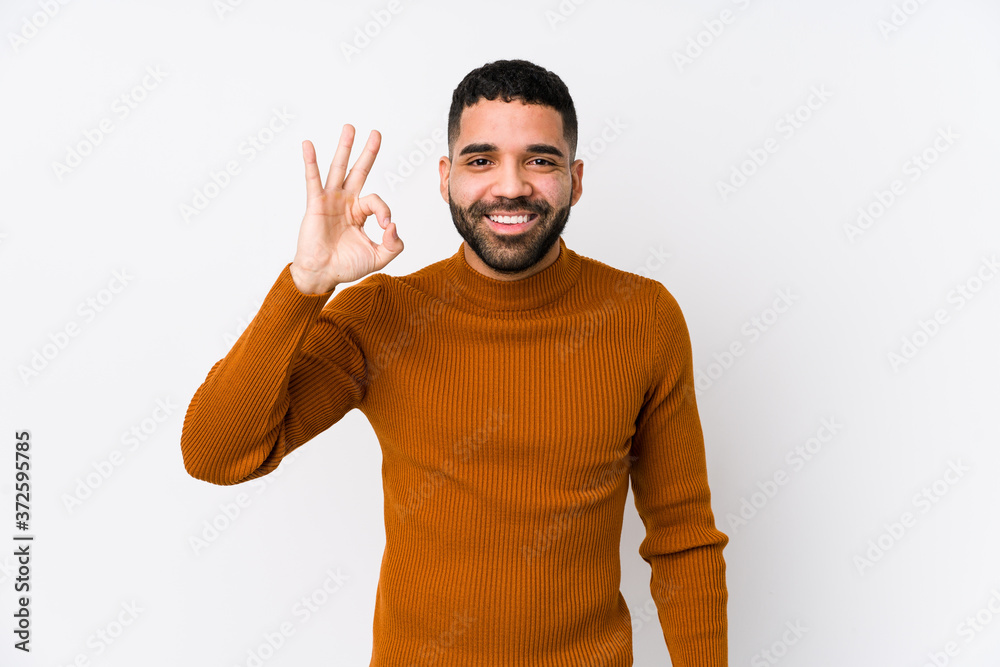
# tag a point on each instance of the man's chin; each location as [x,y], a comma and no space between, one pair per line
[508,255]
[509,252]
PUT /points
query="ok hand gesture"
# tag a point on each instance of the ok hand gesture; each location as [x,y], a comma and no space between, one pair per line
[332,246]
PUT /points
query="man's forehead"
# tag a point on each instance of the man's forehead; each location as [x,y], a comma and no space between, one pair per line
[510,125]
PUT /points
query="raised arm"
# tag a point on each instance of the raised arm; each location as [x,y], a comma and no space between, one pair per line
[298,367]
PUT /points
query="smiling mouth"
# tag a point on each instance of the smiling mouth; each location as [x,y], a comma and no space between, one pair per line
[512,219]
[511,223]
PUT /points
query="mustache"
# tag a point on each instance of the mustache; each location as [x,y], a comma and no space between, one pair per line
[503,204]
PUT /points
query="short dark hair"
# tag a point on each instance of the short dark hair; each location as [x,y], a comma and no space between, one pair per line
[510,80]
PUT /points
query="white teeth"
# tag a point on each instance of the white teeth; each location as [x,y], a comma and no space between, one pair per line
[509,219]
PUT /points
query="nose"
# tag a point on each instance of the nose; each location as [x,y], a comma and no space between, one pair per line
[510,181]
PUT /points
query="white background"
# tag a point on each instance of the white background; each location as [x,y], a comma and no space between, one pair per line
[894,76]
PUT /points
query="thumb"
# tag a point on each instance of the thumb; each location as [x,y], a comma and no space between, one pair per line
[390,247]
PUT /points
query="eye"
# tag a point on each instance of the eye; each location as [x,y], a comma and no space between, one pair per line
[543,160]
[478,159]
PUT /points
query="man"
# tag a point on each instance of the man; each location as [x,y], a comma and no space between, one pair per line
[515,387]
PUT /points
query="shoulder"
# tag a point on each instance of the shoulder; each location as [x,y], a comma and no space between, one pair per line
[378,290]
[354,302]
[653,296]
[649,304]
[430,281]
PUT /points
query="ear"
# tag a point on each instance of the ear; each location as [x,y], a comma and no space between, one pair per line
[576,171]
[444,169]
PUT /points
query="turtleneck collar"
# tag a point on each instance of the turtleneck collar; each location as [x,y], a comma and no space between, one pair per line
[487,293]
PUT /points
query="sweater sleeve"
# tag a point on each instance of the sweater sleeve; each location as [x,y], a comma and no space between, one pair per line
[296,369]
[670,488]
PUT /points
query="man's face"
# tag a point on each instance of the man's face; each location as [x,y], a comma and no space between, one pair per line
[510,159]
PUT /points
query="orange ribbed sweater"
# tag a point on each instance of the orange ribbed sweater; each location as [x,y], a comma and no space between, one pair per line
[511,416]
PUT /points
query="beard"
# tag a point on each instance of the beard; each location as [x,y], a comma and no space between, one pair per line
[509,253]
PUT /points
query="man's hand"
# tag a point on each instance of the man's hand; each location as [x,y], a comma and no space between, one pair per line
[333,247]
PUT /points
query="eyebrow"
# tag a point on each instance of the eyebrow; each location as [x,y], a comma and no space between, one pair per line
[546,149]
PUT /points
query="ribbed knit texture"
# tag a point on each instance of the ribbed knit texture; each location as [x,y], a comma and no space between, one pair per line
[511,416]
